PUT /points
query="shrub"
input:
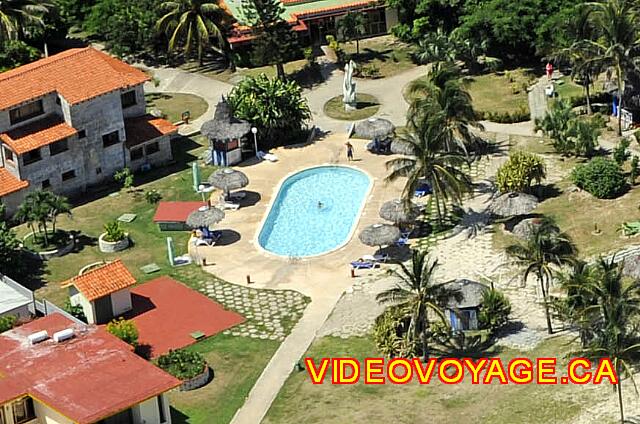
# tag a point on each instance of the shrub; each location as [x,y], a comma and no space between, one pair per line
[7,322]
[182,364]
[113,232]
[633,172]
[74,310]
[389,333]
[125,330]
[14,53]
[152,196]
[368,71]
[620,152]
[636,134]
[517,174]
[124,177]
[494,311]
[519,115]
[601,177]
[570,134]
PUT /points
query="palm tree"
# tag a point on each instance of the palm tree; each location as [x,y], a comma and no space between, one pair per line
[442,107]
[41,207]
[574,307]
[352,27]
[417,291]
[544,248]
[612,315]
[580,54]
[617,45]
[441,169]
[192,24]
[17,15]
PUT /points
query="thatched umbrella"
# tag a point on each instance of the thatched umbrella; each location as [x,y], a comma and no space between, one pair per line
[399,212]
[224,126]
[205,217]
[513,204]
[401,147]
[468,293]
[379,235]
[228,179]
[374,128]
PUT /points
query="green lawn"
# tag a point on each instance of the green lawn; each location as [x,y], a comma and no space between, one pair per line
[367,105]
[578,213]
[390,56]
[293,69]
[173,105]
[237,362]
[300,401]
[500,92]
[173,182]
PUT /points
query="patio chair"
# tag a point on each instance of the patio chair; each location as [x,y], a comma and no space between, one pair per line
[229,205]
[422,191]
[363,265]
[376,258]
[402,241]
[267,156]
[205,242]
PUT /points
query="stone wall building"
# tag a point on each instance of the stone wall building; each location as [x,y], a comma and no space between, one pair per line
[70,121]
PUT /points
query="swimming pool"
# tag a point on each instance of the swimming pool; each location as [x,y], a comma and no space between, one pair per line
[315,211]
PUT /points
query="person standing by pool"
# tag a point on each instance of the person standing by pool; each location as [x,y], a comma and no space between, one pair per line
[349,151]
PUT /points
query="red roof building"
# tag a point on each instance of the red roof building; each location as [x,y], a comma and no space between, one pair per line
[84,379]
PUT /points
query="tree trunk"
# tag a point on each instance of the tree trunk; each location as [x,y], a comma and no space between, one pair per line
[620,398]
[280,71]
[620,95]
[546,305]
[357,47]
[44,233]
[587,95]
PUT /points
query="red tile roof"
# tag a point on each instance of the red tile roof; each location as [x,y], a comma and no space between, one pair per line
[175,211]
[10,184]
[38,134]
[102,281]
[145,128]
[77,74]
[87,378]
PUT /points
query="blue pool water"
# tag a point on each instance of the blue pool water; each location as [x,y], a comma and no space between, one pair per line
[314,211]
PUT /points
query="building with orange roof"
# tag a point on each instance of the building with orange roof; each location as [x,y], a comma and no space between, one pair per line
[77,374]
[313,20]
[68,122]
[103,292]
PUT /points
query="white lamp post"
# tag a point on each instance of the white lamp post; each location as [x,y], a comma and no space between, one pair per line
[254,131]
[201,188]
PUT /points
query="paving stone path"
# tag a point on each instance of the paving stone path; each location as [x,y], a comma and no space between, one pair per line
[271,314]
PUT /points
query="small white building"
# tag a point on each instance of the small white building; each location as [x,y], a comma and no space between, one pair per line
[103,292]
[14,300]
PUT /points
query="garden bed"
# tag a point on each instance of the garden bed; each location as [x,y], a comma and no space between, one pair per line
[60,244]
[366,106]
[173,105]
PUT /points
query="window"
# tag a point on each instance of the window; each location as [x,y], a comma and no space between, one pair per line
[82,133]
[58,147]
[124,417]
[161,413]
[25,112]
[46,184]
[98,171]
[8,154]
[23,411]
[136,153]
[128,99]
[2,420]
[69,175]
[110,139]
[152,148]
[31,157]
[58,100]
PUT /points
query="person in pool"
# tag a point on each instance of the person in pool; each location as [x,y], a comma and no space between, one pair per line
[349,151]
[320,205]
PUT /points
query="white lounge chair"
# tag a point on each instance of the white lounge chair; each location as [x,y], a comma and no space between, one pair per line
[267,156]
[376,258]
[229,206]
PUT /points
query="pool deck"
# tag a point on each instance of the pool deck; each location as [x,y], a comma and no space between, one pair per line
[233,259]
[322,278]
